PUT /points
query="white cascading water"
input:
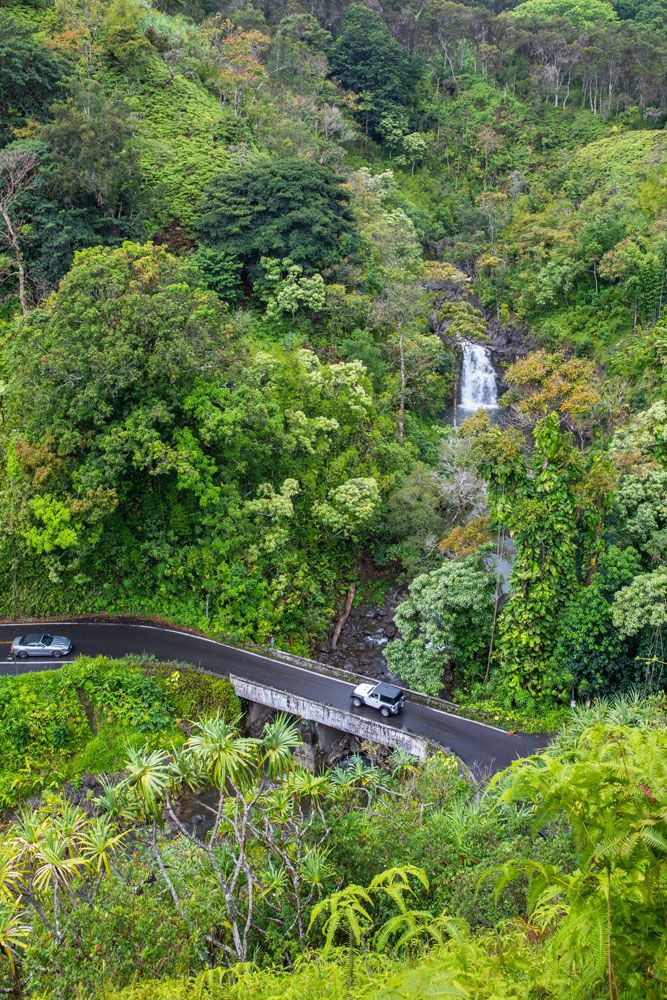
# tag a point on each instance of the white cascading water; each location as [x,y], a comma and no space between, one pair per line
[479,389]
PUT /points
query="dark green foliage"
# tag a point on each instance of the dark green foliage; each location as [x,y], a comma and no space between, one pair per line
[284,208]
[652,13]
[129,925]
[29,75]
[60,231]
[590,649]
[129,350]
[221,271]
[88,190]
[92,157]
[367,60]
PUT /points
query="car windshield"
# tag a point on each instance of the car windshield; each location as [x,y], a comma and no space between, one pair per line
[46,640]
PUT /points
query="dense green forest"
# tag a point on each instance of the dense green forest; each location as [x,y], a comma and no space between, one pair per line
[242,245]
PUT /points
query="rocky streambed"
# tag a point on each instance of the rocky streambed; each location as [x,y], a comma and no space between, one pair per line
[363,639]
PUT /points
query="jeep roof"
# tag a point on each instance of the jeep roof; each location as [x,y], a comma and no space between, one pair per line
[388,692]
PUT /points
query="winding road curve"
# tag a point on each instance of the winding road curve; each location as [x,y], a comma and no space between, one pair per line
[483,748]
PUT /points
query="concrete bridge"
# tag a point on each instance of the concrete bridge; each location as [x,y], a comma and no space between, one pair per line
[331,721]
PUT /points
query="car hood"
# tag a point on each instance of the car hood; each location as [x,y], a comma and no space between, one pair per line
[363,689]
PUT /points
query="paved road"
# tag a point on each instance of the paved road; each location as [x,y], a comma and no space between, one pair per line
[482,747]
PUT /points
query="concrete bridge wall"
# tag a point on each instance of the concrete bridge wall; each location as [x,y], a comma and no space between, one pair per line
[332,718]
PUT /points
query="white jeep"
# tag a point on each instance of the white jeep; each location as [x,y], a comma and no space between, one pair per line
[388,699]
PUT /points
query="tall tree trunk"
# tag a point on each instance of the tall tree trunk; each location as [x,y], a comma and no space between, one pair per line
[401,400]
[344,617]
[15,245]
[163,872]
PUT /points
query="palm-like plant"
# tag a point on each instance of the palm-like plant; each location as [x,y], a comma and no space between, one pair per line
[305,784]
[14,931]
[112,802]
[149,775]
[456,823]
[316,868]
[99,842]
[278,802]
[402,762]
[27,833]
[279,741]
[186,770]
[222,754]
[71,819]
[12,875]
[311,788]
[56,863]
[273,880]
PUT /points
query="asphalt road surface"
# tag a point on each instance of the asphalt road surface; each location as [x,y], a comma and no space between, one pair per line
[483,748]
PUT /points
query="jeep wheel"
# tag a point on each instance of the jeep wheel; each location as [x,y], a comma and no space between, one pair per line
[385,712]
[356,702]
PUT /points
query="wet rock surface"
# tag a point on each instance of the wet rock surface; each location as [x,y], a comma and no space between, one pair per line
[364,638]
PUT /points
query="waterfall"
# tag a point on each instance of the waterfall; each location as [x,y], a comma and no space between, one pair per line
[479,390]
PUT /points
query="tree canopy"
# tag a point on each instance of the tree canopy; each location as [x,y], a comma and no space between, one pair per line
[288,208]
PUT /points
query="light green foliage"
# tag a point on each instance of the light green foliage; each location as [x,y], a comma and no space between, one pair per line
[287,290]
[350,507]
[644,437]
[591,252]
[581,12]
[53,529]
[642,604]
[446,621]
[313,976]
[462,320]
[641,506]
[182,130]
[389,237]
[611,789]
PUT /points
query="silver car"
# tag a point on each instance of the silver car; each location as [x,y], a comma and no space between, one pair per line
[41,644]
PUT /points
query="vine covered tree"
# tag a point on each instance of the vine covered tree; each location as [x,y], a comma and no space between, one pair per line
[445,622]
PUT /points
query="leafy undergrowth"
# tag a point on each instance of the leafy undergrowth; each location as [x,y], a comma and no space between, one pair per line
[56,726]
[592,928]
[184,134]
[537,717]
